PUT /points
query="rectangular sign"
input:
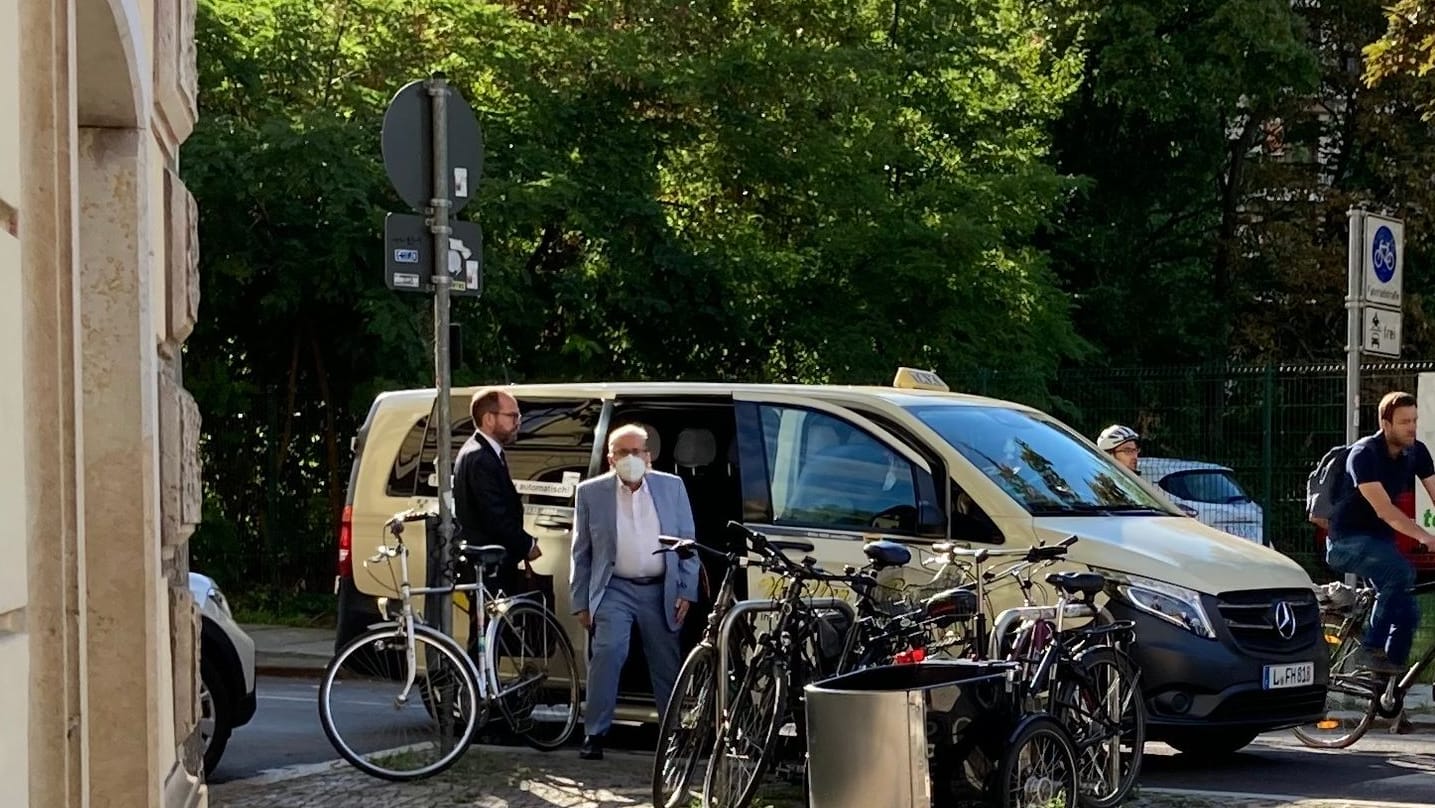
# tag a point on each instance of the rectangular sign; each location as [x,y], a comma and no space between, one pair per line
[1383,260]
[408,251]
[1381,333]
[1424,513]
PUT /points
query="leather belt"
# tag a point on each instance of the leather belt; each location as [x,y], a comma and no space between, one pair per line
[647,580]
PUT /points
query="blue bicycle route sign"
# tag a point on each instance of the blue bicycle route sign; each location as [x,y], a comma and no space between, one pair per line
[1384,242]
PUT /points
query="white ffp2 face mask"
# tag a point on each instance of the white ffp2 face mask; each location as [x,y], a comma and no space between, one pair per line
[631,468]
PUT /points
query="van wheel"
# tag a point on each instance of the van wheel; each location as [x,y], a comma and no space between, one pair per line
[1212,743]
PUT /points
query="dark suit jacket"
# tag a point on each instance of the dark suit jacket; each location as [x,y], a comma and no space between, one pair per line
[488,507]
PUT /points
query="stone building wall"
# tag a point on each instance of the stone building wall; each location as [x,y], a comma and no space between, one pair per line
[98,261]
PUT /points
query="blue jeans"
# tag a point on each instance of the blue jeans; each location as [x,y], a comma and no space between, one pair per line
[1393,622]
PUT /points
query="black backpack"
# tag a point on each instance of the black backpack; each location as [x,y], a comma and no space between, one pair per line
[1327,485]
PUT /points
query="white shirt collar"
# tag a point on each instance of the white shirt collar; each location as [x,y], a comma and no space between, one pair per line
[491,442]
[623,487]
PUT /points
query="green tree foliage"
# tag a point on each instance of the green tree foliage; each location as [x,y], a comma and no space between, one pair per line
[1406,49]
[813,190]
[1174,98]
[1347,144]
[1222,142]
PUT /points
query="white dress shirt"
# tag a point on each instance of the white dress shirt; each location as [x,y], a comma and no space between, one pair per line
[637,534]
[493,444]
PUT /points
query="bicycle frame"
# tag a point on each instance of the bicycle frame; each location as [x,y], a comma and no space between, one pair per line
[484,676]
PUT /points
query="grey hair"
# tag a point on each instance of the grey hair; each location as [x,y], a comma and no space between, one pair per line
[626,430]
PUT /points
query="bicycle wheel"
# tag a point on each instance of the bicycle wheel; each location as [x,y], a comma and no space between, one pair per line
[1100,704]
[1038,768]
[743,750]
[536,673]
[430,738]
[1350,700]
[686,730]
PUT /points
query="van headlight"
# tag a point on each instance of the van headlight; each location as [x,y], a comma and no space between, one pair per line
[1174,604]
[217,597]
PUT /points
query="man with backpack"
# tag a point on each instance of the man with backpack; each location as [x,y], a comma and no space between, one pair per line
[1363,521]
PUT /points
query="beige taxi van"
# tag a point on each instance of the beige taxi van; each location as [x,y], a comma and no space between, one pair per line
[1229,637]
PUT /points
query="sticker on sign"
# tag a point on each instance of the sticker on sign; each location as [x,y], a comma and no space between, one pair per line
[406,281]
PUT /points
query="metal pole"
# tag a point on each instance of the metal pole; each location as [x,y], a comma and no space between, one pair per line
[438,105]
[1356,220]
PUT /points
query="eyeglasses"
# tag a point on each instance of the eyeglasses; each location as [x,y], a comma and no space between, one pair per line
[629,452]
[516,416]
[1129,450]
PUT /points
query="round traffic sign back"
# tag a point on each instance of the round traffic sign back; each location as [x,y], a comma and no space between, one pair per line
[407,142]
[1382,254]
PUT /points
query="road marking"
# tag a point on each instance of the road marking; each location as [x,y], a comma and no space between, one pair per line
[1288,799]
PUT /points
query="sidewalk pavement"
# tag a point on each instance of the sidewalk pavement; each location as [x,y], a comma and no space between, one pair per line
[511,777]
[287,651]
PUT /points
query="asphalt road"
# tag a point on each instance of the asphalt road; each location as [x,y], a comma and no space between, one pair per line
[286,732]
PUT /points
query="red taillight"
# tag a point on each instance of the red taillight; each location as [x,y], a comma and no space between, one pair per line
[910,657]
[346,543]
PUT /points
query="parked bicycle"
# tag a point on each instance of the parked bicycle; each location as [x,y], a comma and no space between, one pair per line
[1355,696]
[1083,676]
[522,664]
[686,730]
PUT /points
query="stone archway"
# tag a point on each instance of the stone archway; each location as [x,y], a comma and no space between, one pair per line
[111,88]
[111,648]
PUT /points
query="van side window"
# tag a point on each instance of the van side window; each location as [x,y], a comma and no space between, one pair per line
[555,439]
[824,472]
[404,476]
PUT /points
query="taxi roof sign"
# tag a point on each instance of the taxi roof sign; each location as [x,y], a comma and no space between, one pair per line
[917,379]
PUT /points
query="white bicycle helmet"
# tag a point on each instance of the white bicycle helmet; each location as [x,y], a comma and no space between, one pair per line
[1115,435]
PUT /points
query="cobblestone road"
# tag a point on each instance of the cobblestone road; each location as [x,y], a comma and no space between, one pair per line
[507,777]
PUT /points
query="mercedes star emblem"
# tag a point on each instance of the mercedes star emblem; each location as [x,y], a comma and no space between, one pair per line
[1285,620]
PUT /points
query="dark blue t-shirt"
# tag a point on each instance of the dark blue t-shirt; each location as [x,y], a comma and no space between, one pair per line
[1370,461]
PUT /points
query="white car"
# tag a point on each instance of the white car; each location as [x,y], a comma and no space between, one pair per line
[226,671]
[1211,491]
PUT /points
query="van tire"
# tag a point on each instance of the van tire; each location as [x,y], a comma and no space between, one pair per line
[1212,743]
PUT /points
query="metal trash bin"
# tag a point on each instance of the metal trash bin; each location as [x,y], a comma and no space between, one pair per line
[928,735]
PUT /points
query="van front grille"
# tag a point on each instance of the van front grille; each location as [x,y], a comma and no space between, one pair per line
[1271,621]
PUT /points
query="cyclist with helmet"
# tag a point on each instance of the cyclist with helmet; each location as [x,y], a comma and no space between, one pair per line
[1122,443]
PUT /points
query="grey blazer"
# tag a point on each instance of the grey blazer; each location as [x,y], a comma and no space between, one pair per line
[595,539]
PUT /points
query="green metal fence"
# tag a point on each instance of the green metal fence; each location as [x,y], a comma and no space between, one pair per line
[1268,423]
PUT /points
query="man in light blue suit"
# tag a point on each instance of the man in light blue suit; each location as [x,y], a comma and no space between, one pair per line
[619,578]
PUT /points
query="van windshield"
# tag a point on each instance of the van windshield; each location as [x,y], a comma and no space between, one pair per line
[1039,463]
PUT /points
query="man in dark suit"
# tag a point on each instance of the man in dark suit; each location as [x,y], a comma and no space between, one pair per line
[488,507]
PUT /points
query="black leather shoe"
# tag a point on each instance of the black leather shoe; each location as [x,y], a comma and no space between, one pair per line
[592,748]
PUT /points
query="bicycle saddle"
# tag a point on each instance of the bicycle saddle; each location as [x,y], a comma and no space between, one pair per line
[886,553]
[486,554]
[1087,583]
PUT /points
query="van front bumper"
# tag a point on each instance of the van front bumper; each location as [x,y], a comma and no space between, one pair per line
[1192,682]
